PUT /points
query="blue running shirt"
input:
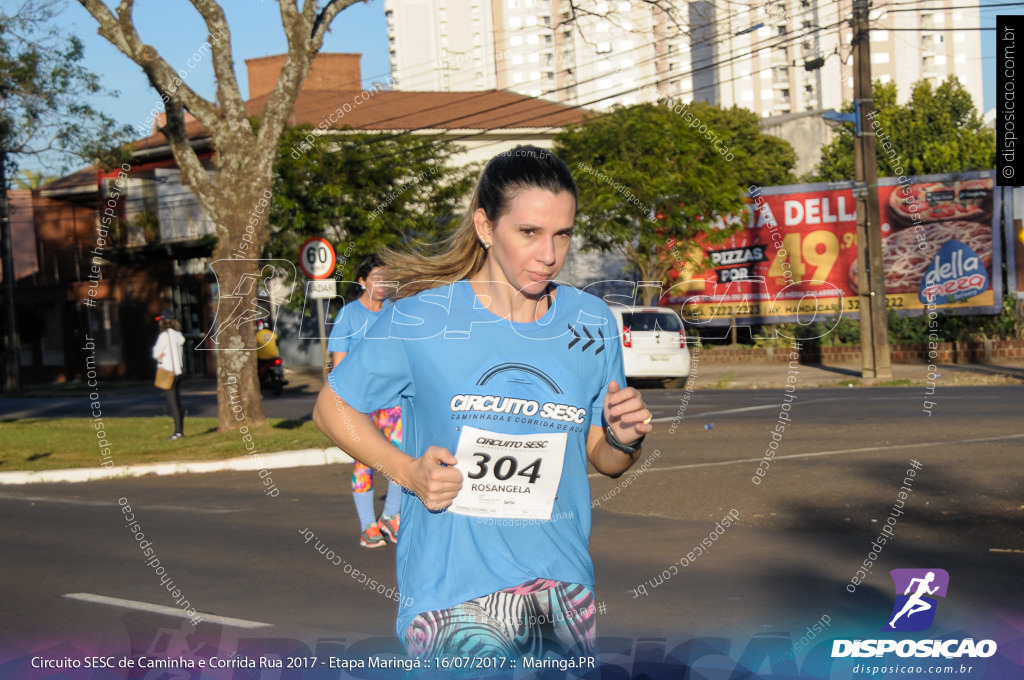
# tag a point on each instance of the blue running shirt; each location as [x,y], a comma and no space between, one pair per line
[350,325]
[453,363]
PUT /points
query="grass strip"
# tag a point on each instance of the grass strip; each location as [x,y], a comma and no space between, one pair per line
[60,443]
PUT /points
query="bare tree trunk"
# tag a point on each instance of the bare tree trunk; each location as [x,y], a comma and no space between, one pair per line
[652,270]
[244,163]
[239,401]
[240,196]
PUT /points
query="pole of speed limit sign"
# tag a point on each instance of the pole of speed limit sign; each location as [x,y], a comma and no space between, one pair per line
[316,259]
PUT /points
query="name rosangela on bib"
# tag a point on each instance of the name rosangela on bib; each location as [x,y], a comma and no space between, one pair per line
[508,475]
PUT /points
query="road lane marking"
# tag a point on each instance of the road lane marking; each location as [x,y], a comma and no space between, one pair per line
[666,419]
[161,609]
[951,397]
[741,410]
[993,439]
[75,501]
[867,449]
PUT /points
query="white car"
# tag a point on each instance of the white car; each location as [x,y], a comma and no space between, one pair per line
[653,344]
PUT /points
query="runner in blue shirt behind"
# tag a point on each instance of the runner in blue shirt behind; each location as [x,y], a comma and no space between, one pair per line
[347,332]
[509,384]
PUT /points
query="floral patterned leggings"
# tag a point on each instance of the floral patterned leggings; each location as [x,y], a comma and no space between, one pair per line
[388,421]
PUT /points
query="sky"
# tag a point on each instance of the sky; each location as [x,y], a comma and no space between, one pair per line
[988,47]
[177,32]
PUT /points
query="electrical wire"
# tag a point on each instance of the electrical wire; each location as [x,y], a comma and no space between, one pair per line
[604,96]
[667,80]
[570,107]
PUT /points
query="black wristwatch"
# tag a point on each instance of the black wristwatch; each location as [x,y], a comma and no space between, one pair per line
[629,448]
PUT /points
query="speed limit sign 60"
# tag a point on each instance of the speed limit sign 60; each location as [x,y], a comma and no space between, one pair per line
[316,258]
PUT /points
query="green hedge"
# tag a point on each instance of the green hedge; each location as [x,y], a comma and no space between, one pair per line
[1006,325]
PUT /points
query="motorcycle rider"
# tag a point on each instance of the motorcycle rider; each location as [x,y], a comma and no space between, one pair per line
[267,353]
[266,343]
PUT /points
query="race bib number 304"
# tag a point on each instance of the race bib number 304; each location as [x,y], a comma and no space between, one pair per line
[508,475]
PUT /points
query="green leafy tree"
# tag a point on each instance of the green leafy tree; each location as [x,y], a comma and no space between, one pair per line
[43,91]
[44,114]
[243,167]
[32,179]
[937,131]
[651,181]
[373,191]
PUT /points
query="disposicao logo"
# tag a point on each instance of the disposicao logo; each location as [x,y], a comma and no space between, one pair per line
[913,611]
[915,605]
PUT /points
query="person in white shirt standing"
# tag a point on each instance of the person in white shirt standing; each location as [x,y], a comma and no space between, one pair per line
[167,351]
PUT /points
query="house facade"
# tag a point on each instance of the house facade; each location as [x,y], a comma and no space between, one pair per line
[112,249]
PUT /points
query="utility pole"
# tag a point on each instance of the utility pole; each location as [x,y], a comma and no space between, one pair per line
[12,345]
[874,323]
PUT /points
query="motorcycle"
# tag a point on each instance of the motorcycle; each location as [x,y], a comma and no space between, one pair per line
[272,376]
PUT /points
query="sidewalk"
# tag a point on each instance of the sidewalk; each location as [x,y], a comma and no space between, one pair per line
[773,375]
[265,461]
[763,375]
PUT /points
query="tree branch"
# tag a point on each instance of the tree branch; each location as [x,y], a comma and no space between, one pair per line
[669,9]
[120,31]
[192,169]
[296,65]
[323,21]
[229,98]
[305,34]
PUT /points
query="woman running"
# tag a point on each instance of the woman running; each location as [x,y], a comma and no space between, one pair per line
[348,330]
[509,384]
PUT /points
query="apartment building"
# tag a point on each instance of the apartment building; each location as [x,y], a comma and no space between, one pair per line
[774,57]
[797,56]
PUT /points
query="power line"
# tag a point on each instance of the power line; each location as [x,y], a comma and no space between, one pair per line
[715,40]
[942,30]
[934,9]
[666,80]
[581,106]
[524,120]
[736,54]
[712,65]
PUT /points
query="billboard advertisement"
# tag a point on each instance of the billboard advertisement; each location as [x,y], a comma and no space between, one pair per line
[941,241]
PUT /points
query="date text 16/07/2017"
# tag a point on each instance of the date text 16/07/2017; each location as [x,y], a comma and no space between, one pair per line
[457,662]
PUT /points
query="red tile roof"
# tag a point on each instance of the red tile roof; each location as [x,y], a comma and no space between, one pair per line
[395,110]
[399,110]
[193,128]
[80,178]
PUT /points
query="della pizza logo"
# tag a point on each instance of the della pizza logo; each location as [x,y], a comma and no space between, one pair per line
[956,273]
[916,590]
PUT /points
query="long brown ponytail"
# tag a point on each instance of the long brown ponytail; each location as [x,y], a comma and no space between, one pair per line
[462,254]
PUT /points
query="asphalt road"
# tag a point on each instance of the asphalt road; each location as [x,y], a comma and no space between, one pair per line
[801,536]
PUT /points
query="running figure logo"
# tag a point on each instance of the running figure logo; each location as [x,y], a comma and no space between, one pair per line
[232,309]
[914,610]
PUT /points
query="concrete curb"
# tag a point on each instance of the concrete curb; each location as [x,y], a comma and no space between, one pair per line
[265,461]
